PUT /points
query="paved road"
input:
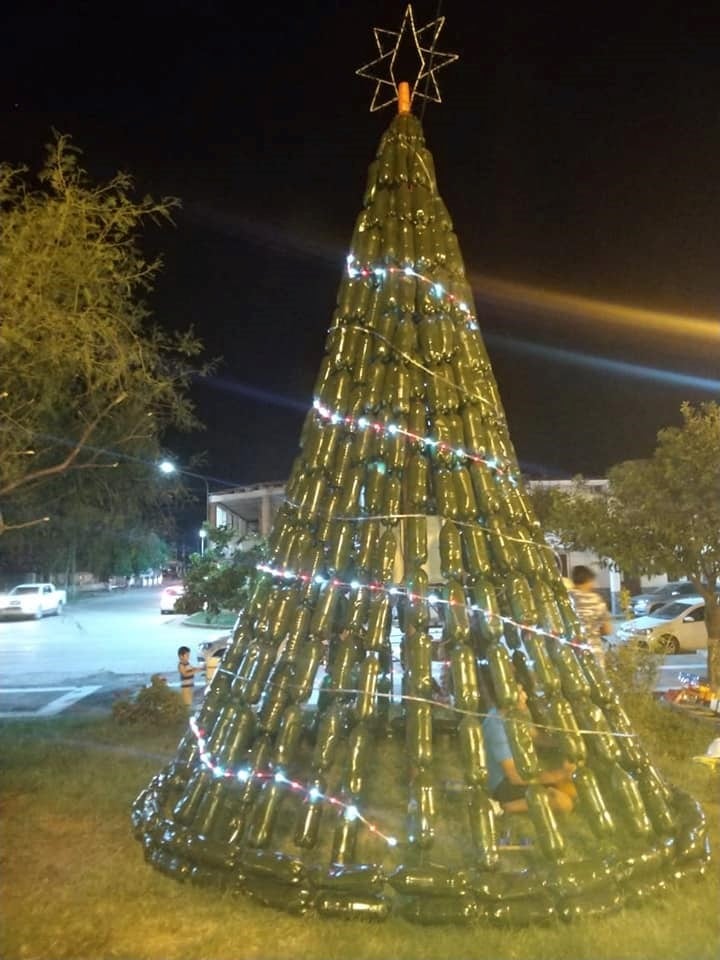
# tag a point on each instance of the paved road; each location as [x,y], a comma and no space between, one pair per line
[118,633]
[119,639]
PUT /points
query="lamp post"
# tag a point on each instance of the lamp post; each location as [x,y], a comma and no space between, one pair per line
[202,533]
[167,467]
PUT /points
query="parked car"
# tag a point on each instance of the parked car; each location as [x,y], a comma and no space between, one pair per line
[655,597]
[170,596]
[214,648]
[677,626]
[32,600]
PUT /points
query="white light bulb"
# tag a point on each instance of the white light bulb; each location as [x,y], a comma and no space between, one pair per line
[351,813]
[243,776]
[280,777]
[314,794]
[363,422]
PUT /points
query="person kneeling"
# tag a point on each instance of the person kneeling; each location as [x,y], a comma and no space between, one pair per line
[505,784]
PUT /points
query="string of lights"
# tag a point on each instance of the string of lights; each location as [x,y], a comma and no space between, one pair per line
[313,794]
[380,272]
[442,705]
[394,429]
[413,361]
[422,516]
[398,591]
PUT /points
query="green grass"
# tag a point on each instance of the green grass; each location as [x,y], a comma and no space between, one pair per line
[74,883]
[225,620]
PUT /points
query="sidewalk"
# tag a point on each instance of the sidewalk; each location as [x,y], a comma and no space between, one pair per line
[91,696]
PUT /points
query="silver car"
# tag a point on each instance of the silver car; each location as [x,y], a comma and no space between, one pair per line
[653,598]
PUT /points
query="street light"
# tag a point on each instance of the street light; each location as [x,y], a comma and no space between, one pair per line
[202,533]
[167,467]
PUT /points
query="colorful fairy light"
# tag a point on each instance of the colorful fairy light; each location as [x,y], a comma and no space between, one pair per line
[394,429]
[355,270]
[313,794]
[394,591]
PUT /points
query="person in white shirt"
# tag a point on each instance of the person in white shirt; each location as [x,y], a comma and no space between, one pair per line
[591,610]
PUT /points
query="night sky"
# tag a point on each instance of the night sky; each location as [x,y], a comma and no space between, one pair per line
[577,152]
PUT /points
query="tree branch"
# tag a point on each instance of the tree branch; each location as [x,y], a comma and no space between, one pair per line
[4,527]
[70,459]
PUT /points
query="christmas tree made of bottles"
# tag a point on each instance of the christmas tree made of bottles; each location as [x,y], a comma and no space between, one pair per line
[322,770]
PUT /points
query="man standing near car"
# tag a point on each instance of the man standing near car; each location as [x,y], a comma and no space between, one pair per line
[591,610]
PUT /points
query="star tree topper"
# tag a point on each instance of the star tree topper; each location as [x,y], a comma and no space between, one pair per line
[382,69]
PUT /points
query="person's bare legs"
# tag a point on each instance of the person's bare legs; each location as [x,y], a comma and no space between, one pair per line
[560,800]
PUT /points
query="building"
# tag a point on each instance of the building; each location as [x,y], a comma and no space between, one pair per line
[249,512]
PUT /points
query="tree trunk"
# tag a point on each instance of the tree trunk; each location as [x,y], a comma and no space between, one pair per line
[712,622]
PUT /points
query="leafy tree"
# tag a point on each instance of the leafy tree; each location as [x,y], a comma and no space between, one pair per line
[100,527]
[661,514]
[223,577]
[87,383]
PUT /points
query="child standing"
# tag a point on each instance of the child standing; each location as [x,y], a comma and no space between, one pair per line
[187,676]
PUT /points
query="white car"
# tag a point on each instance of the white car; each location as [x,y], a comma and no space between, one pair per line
[170,596]
[214,648]
[677,626]
[32,600]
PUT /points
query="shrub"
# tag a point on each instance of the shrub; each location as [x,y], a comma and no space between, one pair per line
[156,705]
[632,671]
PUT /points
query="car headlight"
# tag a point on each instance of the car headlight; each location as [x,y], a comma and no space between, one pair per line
[646,631]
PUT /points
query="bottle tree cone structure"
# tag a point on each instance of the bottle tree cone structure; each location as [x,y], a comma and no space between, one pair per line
[322,769]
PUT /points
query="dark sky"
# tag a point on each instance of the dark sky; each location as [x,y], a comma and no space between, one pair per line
[577,152]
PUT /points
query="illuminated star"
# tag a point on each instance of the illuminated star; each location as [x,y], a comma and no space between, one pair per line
[382,68]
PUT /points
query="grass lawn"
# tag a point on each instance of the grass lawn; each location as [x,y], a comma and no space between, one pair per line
[225,620]
[74,883]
